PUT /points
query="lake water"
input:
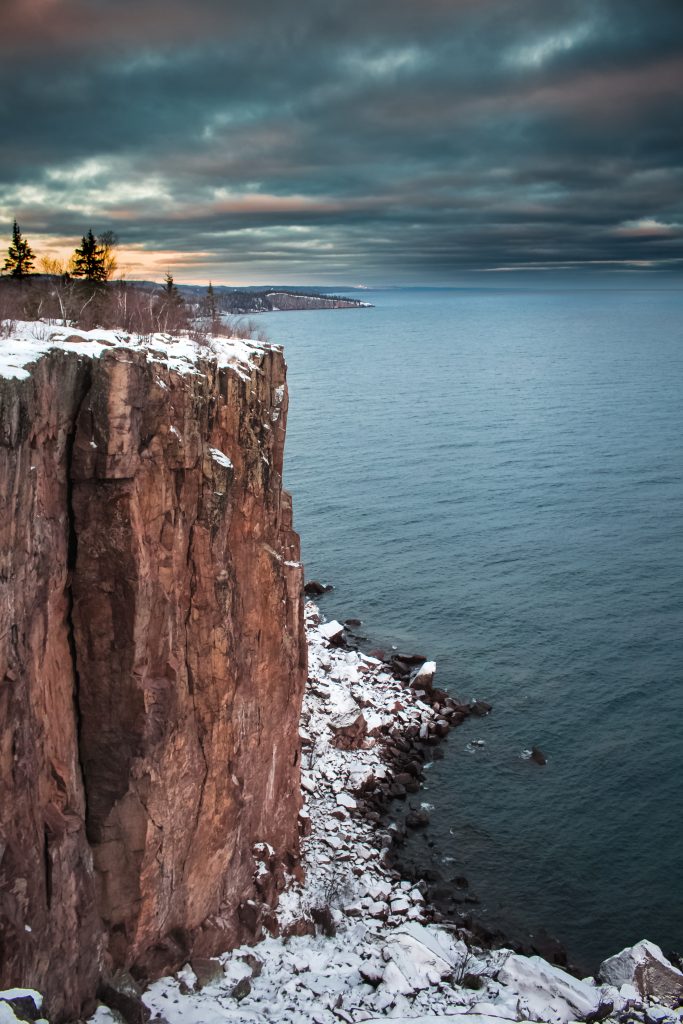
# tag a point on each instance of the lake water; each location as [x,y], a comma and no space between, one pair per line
[496,479]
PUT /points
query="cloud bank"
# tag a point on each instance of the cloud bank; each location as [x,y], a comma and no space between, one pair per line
[437,142]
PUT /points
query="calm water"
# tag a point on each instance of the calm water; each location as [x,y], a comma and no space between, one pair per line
[496,479]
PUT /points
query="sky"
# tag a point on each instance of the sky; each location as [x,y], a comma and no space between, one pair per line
[444,142]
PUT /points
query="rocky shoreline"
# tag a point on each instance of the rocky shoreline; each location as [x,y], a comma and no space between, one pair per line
[408,755]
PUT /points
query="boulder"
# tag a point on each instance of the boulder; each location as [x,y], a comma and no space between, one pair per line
[423,678]
[241,989]
[417,819]
[332,631]
[350,730]
[122,993]
[305,823]
[645,967]
[25,1003]
[551,993]
[313,588]
[207,970]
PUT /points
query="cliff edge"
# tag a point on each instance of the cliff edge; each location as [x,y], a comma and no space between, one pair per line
[152,654]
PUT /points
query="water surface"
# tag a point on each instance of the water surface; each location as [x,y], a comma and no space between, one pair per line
[496,479]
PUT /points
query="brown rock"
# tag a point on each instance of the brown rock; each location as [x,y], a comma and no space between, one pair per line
[305,824]
[350,730]
[207,970]
[121,992]
[241,990]
[647,969]
[253,963]
[151,616]
[411,659]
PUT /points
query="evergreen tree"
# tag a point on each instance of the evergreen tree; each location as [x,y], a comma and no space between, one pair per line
[171,313]
[89,260]
[210,306]
[171,293]
[19,261]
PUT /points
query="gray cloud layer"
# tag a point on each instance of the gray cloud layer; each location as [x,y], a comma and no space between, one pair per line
[391,140]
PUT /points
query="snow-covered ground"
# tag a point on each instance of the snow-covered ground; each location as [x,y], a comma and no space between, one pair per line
[24,342]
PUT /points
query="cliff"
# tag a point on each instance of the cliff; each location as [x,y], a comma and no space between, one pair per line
[152,655]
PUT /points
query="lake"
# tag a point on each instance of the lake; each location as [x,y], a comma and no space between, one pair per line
[495,479]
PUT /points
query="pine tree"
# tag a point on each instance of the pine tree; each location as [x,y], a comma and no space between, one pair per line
[211,308]
[171,313]
[19,261]
[171,293]
[89,260]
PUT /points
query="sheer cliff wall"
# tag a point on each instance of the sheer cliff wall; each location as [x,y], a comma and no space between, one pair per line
[152,664]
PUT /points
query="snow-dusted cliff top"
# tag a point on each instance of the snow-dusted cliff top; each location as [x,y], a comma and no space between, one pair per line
[26,341]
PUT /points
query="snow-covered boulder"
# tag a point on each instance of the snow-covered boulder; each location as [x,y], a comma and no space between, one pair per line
[550,994]
[350,729]
[332,631]
[424,677]
[645,967]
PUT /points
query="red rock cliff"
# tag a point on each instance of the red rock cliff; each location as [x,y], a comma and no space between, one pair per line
[152,662]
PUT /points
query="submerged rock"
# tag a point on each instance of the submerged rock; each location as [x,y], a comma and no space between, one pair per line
[313,588]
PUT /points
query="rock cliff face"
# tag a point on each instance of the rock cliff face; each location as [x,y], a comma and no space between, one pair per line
[152,662]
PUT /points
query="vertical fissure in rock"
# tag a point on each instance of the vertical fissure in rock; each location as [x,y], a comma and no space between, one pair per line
[191,570]
[71,558]
[47,861]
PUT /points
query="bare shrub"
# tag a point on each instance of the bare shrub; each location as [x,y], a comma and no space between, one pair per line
[59,298]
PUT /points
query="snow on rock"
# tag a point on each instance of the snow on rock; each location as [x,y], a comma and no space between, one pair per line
[549,993]
[18,1005]
[424,675]
[221,458]
[644,968]
[27,341]
[344,800]
[331,630]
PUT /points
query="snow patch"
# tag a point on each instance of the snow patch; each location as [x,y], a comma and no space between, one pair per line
[221,458]
[29,340]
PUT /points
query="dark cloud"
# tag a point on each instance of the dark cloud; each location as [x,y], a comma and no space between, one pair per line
[387,141]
